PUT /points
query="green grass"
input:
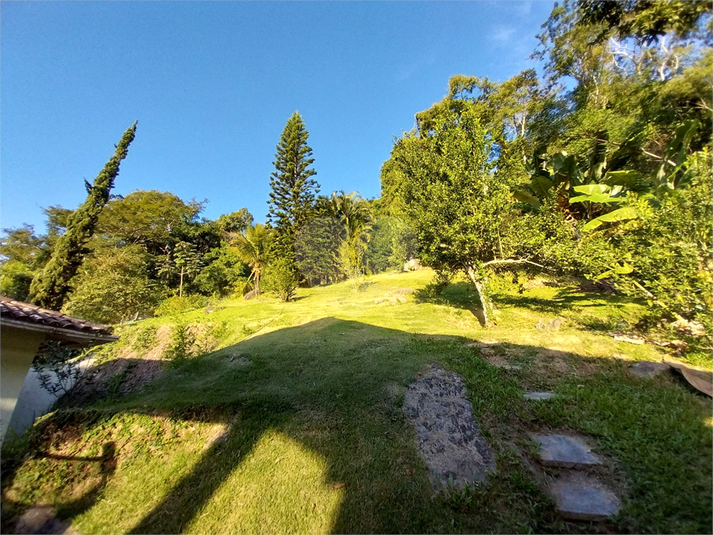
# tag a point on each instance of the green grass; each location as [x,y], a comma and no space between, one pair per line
[309,435]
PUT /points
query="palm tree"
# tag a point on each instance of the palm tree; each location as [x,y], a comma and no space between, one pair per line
[355,215]
[252,249]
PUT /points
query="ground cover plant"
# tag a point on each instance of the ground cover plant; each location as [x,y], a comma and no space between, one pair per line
[290,419]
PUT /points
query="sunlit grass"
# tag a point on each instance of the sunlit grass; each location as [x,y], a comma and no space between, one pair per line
[306,433]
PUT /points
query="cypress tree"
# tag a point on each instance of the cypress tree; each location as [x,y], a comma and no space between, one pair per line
[293,190]
[50,287]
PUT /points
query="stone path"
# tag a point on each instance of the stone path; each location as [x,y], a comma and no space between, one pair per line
[564,451]
[581,497]
[447,433]
[540,395]
[457,455]
[578,496]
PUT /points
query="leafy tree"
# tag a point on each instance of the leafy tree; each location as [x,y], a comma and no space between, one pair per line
[280,279]
[252,248]
[223,270]
[50,287]
[461,205]
[238,221]
[15,280]
[148,218]
[293,190]
[21,245]
[317,246]
[392,244]
[113,285]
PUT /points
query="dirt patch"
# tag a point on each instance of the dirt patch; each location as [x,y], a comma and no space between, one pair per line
[447,433]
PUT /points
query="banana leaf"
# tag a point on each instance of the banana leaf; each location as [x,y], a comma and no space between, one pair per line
[621,214]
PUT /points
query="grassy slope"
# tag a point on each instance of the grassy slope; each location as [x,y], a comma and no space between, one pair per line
[310,437]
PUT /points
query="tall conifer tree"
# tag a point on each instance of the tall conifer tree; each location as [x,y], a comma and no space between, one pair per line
[293,190]
[50,287]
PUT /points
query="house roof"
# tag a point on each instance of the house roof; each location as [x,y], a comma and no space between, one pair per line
[54,324]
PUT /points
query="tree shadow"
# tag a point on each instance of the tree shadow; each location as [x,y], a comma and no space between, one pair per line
[346,407]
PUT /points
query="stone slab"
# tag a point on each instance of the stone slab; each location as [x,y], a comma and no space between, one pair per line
[565,451]
[447,433]
[540,395]
[580,497]
[41,519]
[648,369]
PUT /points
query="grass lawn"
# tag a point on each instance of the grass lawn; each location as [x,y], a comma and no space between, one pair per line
[292,421]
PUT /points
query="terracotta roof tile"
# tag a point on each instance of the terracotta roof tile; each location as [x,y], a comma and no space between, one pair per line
[34,315]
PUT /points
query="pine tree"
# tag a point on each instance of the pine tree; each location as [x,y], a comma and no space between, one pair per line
[50,287]
[293,190]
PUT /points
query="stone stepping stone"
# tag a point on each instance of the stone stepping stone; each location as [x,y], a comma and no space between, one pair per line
[447,434]
[648,369]
[580,497]
[540,395]
[564,451]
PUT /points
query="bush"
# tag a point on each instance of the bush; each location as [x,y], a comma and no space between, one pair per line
[280,279]
[113,286]
[15,280]
[180,346]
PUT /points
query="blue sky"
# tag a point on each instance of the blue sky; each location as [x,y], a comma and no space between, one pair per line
[213,84]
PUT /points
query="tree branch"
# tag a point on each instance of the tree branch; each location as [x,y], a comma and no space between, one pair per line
[513,261]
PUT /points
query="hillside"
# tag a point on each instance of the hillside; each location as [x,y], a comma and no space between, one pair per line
[287,417]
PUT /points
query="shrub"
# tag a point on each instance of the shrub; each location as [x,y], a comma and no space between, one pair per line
[280,279]
[180,346]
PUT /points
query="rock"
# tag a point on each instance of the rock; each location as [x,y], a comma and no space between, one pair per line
[41,519]
[447,433]
[540,395]
[689,327]
[648,369]
[412,265]
[250,295]
[552,325]
[564,451]
[580,497]
[380,300]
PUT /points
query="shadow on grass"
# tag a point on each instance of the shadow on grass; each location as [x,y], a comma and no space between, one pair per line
[336,387]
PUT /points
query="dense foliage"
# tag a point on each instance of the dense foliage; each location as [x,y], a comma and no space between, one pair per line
[50,287]
[598,169]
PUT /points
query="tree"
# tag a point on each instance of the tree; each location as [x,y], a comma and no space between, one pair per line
[223,270]
[354,214]
[238,221]
[317,245]
[50,287]
[113,285]
[252,248]
[183,262]
[148,218]
[460,204]
[293,190]
[281,279]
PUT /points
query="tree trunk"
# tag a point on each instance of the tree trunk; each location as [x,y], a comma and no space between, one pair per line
[481,286]
[180,286]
